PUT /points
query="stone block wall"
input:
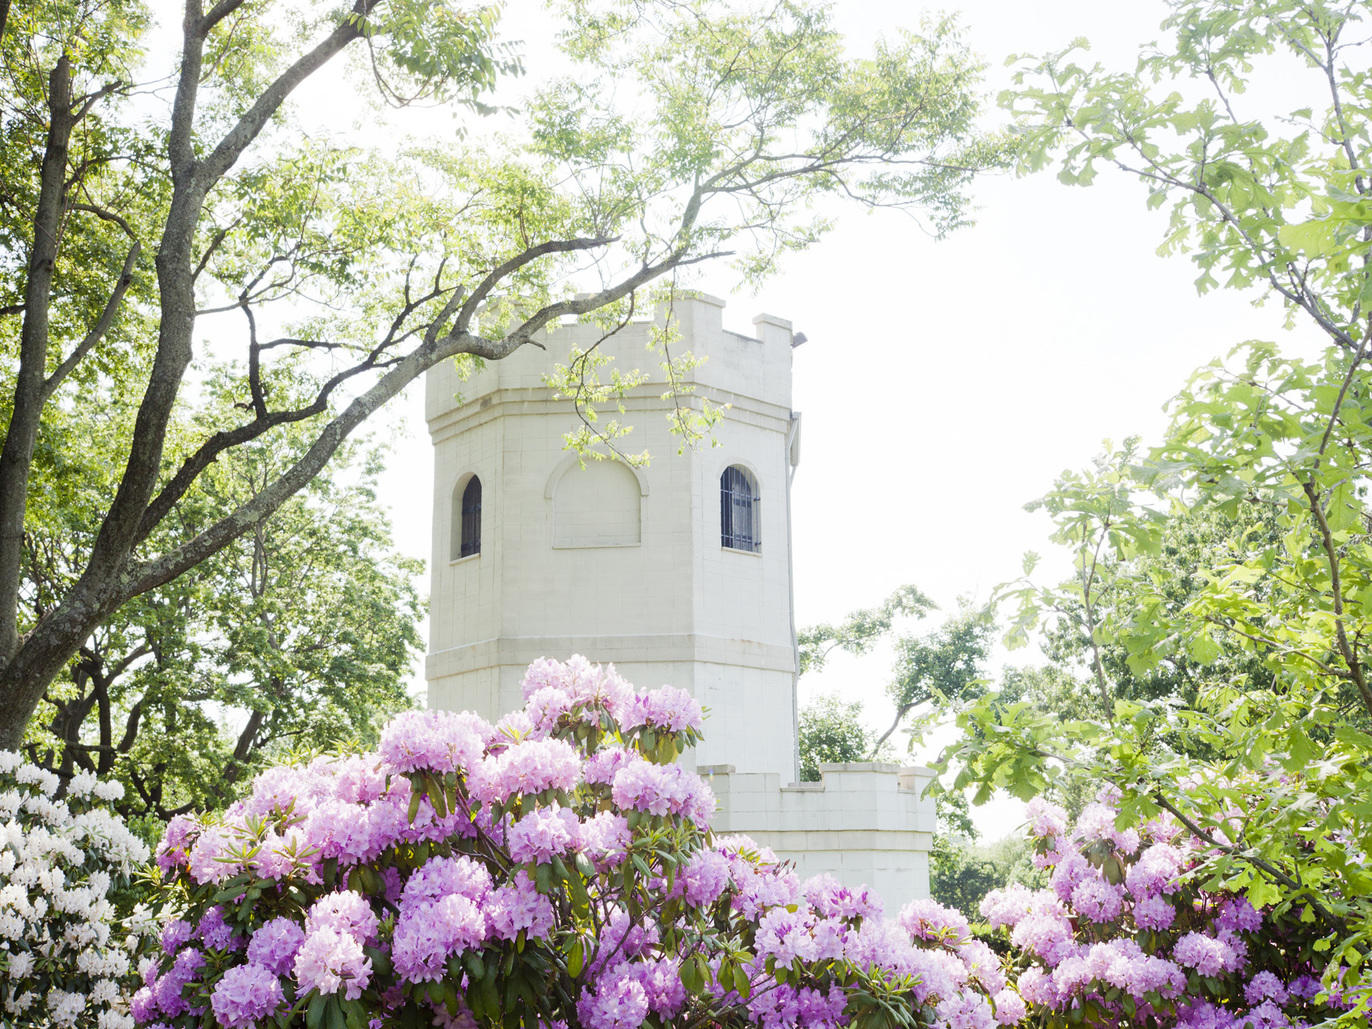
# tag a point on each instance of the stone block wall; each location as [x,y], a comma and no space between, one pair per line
[623,565]
[863,823]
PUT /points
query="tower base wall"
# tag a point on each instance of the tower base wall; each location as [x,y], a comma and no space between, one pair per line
[864,823]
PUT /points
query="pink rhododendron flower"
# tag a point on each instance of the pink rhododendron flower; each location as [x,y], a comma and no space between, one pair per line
[380,900]
[330,959]
[246,994]
[433,740]
[1046,819]
[275,944]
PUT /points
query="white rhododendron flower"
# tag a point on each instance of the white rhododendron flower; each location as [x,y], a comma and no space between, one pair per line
[67,945]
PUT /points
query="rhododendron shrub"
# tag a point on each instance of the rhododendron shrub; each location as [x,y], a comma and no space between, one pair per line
[553,869]
[1127,934]
[68,929]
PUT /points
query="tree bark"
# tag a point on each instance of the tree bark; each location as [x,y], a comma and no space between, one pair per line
[16,457]
[26,669]
[113,574]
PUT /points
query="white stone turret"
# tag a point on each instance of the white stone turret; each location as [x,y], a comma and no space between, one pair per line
[678,572]
[624,565]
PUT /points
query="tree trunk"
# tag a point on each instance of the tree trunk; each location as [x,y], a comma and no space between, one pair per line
[16,458]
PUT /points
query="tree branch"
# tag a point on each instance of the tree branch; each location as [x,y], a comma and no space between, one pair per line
[107,215]
[518,261]
[1346,651]
[101,326]
[219,12]
[901,712]
[237,139]
[1266,867]
[154,572]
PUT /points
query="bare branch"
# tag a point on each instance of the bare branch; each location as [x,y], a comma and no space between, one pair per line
[215,242]
[518,261]
[107,215]
[1343,392]
[237,139]
[259,400]
[1331,551]
[218,13]
[101,326]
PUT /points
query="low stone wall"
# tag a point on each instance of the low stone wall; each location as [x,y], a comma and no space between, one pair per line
[863,823]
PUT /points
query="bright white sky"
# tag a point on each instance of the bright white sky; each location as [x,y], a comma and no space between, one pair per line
[945,384]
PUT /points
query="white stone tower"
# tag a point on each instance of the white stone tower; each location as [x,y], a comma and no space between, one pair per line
[645,568]
[678,572]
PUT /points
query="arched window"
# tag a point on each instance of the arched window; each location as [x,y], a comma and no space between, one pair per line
[740,511]
[467,520]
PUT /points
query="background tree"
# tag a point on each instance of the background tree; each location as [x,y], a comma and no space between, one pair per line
[831,732]
[963,868]
[937,672]
[1274,200]
[299,635]
[683,133]
[862,630]
[1139,548]
[930,670]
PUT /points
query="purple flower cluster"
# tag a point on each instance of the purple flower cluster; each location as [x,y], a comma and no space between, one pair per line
[703,878]
[164,996]
[245,994]
[667,708]
[542,835]
[788,1006]
[274,945]
[331,959]
[428,933]
[214,932]
[624,994]
[442,741]
[558,694]
[526,767]
[582,683]
[1124,935]
[520,908]
[663,790]
[464,864]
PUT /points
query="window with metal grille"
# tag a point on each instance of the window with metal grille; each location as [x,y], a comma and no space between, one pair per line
[467,540]
[740,511]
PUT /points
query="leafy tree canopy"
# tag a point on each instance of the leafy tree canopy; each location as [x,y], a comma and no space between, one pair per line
[134,209]
[930,670]
[300,634]
[831,731]
[1265,459]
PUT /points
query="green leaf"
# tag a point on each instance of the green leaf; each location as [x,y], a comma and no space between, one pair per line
[1312,238]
